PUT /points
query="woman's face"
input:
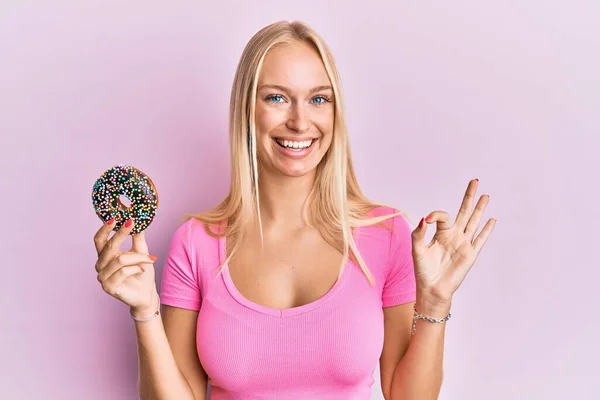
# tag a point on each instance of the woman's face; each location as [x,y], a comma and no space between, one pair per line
[294,110]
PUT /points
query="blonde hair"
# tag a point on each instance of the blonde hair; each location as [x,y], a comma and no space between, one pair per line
[336,203]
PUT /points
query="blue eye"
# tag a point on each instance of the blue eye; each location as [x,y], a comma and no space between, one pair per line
[276,96]
[323,98]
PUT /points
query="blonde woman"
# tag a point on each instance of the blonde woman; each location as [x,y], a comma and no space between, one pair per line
[295,285]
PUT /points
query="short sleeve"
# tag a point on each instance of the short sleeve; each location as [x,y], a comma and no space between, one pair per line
[180,286]
[399,286]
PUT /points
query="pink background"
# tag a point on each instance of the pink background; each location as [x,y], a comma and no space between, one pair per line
[437,93]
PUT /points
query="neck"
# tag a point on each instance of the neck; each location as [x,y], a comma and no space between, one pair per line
[282,198]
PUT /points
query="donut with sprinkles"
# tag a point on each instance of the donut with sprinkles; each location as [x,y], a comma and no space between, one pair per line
[137,187]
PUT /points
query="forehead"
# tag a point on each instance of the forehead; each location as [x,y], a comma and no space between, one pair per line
[297,66]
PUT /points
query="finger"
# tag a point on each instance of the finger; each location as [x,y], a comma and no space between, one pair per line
[139,244]
[122,260]
[483,236]
[418,242]
[441,218]
[101,236]
[113,245]
[114,284]
[465,208]
[476,216]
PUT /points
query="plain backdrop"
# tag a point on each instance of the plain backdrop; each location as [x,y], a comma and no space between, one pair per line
[437,93]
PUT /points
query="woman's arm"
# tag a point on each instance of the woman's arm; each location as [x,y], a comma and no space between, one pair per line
[168,362]
[419,374]
[440,268]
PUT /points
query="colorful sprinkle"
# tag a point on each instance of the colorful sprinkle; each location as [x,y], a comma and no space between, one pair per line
[127,181]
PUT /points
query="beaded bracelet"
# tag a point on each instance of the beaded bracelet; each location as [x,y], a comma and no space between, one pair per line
[417,316]
[151,317]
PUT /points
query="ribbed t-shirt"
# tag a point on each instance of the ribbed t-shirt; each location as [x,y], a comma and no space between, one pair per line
[327,349]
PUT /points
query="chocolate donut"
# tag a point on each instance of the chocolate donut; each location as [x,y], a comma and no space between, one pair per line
[124,180]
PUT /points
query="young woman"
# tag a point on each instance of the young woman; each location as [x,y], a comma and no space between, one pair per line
[295,285]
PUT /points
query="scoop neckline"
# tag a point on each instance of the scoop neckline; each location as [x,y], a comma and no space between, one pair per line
[283,312]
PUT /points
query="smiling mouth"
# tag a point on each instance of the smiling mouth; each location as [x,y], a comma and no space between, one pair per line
[295,145]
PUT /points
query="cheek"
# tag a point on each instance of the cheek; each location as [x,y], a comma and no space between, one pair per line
[324,124]
[267,120]
[324,119]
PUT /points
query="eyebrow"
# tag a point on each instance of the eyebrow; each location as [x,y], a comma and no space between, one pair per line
[287,90]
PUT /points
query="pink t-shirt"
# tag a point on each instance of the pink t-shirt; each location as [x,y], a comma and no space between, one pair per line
[327,349]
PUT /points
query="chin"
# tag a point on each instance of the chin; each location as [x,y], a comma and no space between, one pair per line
[295,171]
[290,165]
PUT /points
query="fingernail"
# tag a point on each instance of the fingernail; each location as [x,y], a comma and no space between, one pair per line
[128,223]
[428,218]
[143,270]
[110,221]
[421,222]
[153,258]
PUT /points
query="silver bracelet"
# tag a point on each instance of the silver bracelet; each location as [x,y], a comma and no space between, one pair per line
[417,316]
[151,317]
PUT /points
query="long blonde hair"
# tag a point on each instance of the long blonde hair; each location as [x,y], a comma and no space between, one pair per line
[336,203]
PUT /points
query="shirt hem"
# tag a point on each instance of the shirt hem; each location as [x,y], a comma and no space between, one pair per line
[180,303]
[398,299]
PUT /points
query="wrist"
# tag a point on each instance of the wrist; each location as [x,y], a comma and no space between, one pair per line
[146,312]
[432,306]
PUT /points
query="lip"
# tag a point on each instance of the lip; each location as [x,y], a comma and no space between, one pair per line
[294,139]
[295,154]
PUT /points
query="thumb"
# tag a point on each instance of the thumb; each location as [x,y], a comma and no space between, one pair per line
[418,240]
[139,243]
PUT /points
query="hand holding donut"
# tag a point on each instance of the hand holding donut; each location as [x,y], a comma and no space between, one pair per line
[127,276]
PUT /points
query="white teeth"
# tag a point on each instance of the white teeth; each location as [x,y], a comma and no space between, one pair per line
[295,145]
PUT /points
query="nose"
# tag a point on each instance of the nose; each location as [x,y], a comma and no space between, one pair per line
[298,119]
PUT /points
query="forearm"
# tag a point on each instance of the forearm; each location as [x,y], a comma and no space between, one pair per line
[159,375]
[419,374]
